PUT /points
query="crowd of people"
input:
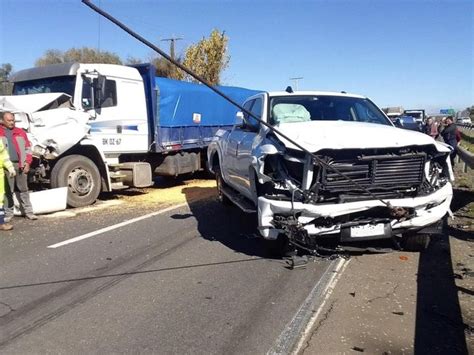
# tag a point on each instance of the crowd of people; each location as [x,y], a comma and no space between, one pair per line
[445,129]
[16,158]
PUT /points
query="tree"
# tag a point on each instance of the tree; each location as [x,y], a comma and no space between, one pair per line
[133,60]
[208,58]
[5,85]
[83,55]
[166,69]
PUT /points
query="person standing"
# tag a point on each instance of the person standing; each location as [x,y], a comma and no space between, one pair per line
[431,128]
[5,163]
[449,135]
[19,149]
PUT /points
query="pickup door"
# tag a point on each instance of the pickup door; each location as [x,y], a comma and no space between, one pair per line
[239,148]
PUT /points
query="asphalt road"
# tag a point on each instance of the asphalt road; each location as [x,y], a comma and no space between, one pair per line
[187,280]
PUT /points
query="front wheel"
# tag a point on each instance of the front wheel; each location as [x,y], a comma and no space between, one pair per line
[82,178]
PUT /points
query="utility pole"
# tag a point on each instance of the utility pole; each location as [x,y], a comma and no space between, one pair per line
[172,41]
[296,80]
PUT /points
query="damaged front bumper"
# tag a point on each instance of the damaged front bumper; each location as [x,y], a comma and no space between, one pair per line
[424,211]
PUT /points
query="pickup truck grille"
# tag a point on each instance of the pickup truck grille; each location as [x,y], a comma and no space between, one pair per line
[376,173]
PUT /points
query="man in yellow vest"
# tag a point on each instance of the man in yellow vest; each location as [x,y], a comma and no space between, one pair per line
[5,163]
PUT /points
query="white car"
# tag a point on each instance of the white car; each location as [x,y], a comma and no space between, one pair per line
[334,169]
[463,120]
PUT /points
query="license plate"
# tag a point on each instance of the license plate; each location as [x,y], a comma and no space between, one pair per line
[367,230]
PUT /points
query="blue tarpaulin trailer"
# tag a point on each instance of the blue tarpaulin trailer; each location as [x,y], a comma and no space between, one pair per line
[185,116]
[188,114]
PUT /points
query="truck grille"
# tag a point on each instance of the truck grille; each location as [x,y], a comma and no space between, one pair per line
[376,173]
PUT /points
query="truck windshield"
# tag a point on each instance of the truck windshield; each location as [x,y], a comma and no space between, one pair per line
[57,84]
[287,109]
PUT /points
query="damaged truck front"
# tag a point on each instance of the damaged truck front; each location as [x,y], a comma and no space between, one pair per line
[335,171]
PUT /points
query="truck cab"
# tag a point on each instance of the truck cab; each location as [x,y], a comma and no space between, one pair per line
[113,96]
[81,119]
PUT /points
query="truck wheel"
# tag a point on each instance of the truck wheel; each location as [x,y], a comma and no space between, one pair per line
[415,242]
[220,183]
[81,177]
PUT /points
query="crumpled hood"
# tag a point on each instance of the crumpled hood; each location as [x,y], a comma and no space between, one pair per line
[317,135]
[58,128]
[29,103]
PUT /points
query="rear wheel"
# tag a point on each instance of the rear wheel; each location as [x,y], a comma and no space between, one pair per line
[220,184]
[415,242]
[82,178]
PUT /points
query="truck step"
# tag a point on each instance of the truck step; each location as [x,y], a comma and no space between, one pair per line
[115,176]
[118,186]
[114,167]
[239,200]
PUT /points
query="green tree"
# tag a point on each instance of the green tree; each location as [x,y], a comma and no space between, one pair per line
[208,58]
[83,55]
[5,85]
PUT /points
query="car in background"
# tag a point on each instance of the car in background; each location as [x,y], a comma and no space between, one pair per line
[464,120]
[408,122]
[418,114]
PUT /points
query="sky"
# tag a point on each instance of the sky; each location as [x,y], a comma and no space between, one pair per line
[410,53]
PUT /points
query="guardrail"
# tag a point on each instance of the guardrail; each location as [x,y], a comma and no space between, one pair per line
[466,157]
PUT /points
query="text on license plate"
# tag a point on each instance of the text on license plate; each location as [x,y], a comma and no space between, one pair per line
[367,230]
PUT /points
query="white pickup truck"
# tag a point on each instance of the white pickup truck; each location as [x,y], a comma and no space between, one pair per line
[351,176]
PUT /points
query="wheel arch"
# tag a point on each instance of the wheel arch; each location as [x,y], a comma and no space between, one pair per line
[92,152]
[214,160]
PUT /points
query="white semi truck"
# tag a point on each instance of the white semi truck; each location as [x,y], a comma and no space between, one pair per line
[101,127]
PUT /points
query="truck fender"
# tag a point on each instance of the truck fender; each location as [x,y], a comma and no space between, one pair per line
[101,164]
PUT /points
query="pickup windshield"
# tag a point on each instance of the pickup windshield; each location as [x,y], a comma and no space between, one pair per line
[57,84]
[287,109]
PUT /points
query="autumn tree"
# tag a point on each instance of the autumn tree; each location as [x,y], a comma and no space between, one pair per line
[208,58]
[83,55]
[5,85]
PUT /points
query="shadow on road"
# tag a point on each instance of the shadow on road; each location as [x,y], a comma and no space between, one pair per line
[439,325]
[461,198]
[224,224]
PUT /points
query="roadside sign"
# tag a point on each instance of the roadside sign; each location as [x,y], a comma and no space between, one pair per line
[447,111]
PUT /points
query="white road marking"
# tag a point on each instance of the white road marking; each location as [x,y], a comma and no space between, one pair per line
[293,337]
[340,267]
[115,226]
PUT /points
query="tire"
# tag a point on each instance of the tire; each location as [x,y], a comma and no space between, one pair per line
[82,178]
[220,183]
[415,242]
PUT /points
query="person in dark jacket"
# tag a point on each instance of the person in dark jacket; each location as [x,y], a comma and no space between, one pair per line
[450,135]
[19,149]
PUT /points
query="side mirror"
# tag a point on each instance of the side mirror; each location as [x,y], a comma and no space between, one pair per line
[239,118]
[100,89]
